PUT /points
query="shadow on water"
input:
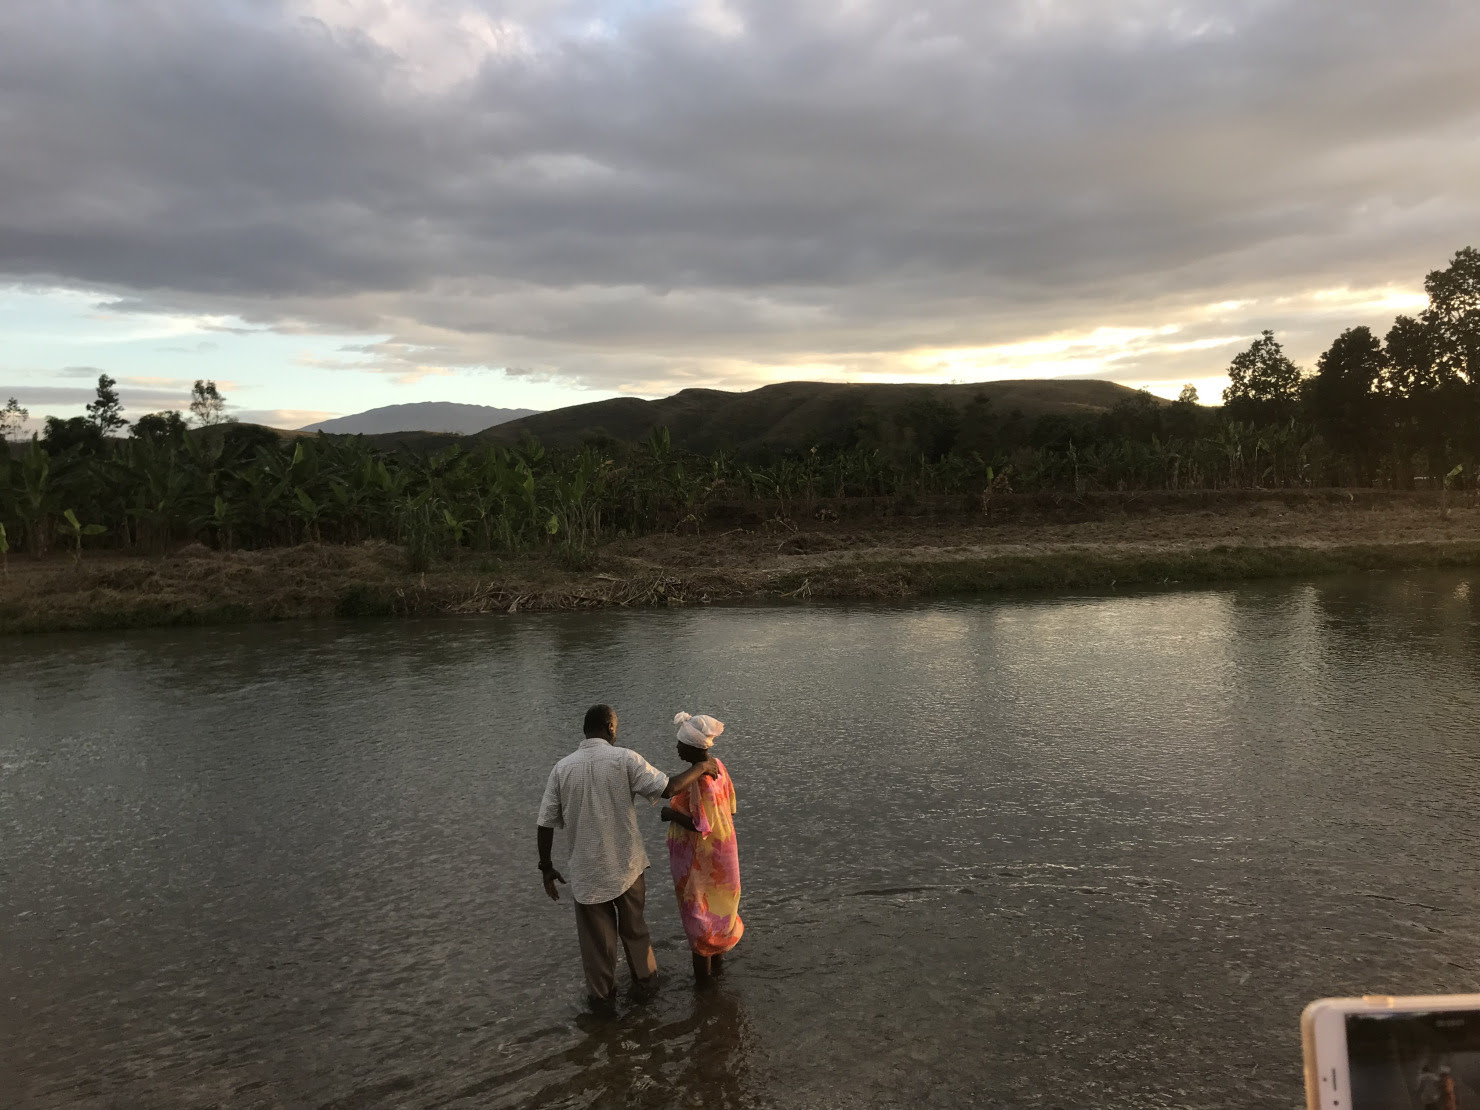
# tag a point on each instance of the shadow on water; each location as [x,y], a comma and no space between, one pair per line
[646,1058]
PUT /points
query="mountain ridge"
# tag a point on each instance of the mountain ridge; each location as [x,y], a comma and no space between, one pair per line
[789,416]
[446,417]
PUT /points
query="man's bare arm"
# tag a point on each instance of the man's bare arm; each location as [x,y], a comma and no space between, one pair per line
[545,840]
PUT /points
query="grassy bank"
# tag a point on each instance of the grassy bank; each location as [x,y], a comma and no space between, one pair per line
[1097,569]
[1112,543]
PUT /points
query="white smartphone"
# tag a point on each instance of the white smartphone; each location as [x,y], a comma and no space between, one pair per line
[1382,1052]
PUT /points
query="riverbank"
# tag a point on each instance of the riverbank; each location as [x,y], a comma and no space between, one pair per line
[842,551]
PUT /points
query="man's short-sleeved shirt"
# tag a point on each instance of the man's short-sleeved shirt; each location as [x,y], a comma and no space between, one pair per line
[592,795]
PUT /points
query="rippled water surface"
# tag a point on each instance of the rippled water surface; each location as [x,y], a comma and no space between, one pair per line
[1038,852]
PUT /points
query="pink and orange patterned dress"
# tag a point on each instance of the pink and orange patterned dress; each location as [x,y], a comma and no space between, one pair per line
[706,865]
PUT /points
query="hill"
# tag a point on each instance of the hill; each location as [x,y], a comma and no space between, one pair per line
[419,416]
[791,416]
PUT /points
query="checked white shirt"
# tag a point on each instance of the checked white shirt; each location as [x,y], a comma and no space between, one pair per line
[592,794]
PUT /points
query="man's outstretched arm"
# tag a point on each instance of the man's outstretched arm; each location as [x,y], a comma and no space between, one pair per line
[679,783]
[545,839]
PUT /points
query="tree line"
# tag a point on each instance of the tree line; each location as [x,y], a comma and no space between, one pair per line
[1402,411]
[1385,410]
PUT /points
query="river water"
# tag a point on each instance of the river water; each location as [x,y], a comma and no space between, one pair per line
[1039,851]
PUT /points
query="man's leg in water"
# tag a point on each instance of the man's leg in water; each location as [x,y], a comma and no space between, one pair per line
[596,925]
[634,932]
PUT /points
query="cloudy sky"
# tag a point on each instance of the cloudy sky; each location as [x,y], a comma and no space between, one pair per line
[328,205]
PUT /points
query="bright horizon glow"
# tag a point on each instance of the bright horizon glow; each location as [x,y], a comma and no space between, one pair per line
[54,342]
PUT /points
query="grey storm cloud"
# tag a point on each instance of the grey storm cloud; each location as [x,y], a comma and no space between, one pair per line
[601,190]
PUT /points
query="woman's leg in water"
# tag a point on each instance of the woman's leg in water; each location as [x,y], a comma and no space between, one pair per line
[701,968]
[717,964]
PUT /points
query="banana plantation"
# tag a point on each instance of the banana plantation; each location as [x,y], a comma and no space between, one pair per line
[243,487]
[1400,412]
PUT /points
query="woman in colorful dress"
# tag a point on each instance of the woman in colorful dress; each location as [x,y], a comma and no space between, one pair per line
[702,851]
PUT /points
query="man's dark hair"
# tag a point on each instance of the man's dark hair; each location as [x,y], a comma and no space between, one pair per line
[597,718]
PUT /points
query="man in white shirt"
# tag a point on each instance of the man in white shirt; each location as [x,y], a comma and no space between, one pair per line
[592,794]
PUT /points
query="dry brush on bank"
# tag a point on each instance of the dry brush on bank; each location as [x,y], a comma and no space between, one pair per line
[1109,542]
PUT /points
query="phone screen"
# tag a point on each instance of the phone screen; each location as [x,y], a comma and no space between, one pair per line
[1419,1060]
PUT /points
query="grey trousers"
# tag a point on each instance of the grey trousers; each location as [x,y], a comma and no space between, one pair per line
[600,925]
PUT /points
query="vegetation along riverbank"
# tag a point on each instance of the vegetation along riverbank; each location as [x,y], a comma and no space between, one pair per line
[793,490]
[842,551]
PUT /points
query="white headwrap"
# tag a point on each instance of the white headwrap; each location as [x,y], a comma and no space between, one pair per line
[697,732]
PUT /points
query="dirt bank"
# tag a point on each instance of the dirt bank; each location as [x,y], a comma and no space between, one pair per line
[852,550]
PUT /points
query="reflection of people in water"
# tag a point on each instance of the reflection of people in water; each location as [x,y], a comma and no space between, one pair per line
[1428,1084]
[702,851]
[650,1058]
[714,1071]
[1446,1088]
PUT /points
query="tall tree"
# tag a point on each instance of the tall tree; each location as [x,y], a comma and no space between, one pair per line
[1185,418]
[1411,365]
[1426,398]
[107,411]
[160,427]
[1264,385]
[1453,316]
[206,404]
[1344,396]
[13,418]
[76,434]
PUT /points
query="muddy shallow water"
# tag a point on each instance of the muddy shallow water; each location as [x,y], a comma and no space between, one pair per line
[1034,851]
